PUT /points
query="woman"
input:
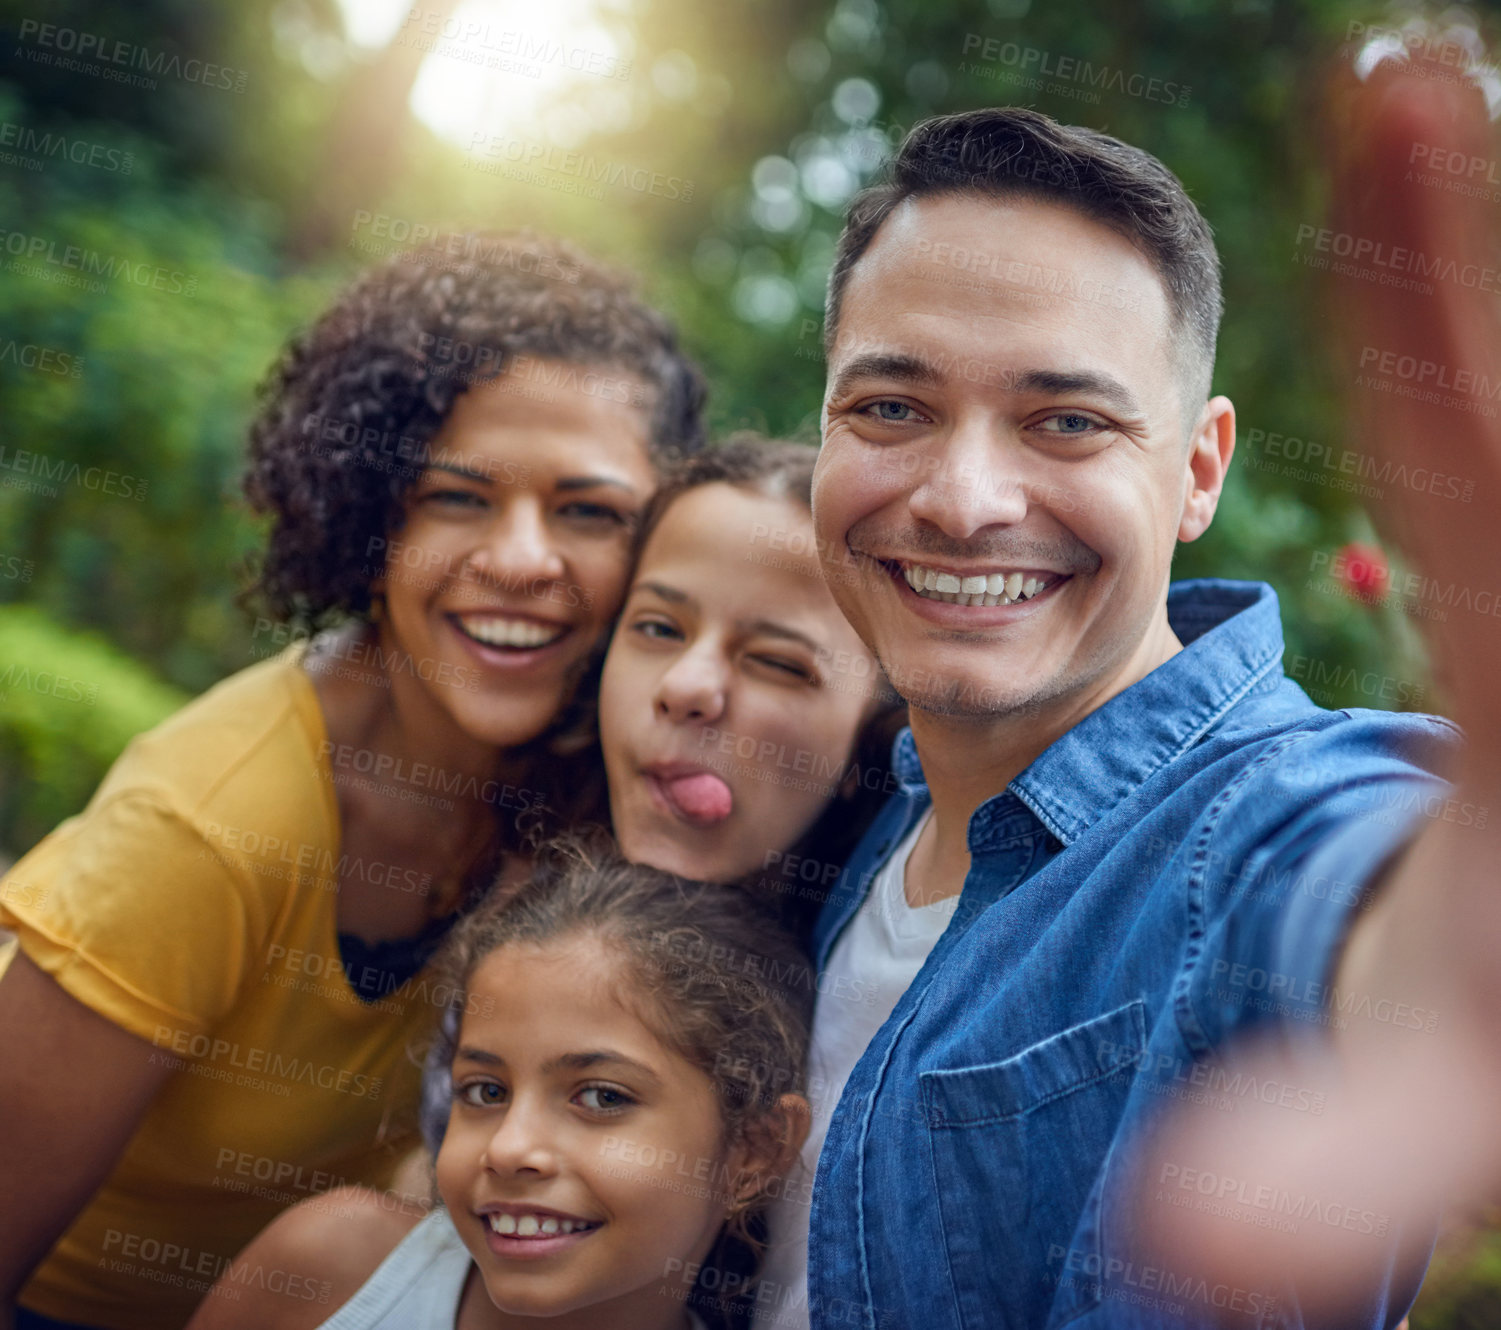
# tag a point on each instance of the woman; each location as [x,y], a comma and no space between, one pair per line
[229,938]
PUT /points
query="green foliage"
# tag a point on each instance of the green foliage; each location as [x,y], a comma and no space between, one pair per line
[69,702]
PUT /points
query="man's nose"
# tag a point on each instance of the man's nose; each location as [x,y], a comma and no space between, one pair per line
[974,481]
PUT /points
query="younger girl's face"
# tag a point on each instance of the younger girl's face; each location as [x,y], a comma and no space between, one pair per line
[733,690]
[583,1164]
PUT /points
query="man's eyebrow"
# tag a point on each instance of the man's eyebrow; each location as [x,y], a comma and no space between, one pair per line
[1060,383]
[593,1058]
[886,365]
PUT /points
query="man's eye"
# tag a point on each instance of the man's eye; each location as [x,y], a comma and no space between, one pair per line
[1071,422]
[481,1094]
[604,1098]
[889,410]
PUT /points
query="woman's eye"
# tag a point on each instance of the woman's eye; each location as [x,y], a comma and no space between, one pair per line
[481,1094]
[890,411]
[604,1098]
[453,499]
[595,512]
[1072,422]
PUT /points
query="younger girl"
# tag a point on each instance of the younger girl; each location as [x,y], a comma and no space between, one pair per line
[626,1094]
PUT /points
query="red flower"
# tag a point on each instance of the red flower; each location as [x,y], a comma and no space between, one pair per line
[1362,569]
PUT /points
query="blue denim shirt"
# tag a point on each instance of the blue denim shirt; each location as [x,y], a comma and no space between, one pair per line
[1182,864]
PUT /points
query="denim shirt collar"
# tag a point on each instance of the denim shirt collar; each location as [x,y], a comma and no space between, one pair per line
[1232,639]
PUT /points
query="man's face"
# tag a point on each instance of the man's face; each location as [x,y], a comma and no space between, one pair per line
[1003,404]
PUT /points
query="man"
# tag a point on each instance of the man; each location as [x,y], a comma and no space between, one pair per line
[1124,836]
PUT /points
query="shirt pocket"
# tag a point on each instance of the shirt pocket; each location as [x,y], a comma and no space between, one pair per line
[1015,1150]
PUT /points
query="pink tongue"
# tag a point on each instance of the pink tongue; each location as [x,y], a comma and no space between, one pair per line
[702,796]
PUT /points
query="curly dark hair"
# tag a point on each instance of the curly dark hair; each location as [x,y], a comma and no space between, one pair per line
[348,413]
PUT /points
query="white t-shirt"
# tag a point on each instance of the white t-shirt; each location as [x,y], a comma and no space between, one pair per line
[877,956]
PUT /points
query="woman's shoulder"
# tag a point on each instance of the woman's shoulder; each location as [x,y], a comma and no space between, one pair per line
[257,731]
[309,1261]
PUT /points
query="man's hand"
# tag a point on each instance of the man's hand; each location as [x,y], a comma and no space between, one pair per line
[1409,1119]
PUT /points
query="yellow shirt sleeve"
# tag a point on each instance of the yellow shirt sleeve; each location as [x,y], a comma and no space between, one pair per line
[134,913]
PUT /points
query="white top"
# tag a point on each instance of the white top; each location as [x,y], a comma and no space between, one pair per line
[875,959]
[418,1286]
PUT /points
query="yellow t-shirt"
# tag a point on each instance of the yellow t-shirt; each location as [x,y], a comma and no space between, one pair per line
[193,903]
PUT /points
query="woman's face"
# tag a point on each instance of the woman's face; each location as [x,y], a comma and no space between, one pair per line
[572,1129]
[511,561]
[733,690]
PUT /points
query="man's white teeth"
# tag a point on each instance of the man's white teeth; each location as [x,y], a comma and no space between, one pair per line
[498,632]
[529,1226]
[989,589]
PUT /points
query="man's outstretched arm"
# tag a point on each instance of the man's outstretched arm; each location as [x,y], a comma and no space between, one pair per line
[1411,1120]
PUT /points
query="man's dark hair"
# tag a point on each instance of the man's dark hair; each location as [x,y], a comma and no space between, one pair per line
[1012,152]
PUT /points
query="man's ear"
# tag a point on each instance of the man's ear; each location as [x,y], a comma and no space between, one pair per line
[1210,448]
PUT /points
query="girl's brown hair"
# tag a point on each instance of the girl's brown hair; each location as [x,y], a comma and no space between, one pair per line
[717,977]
